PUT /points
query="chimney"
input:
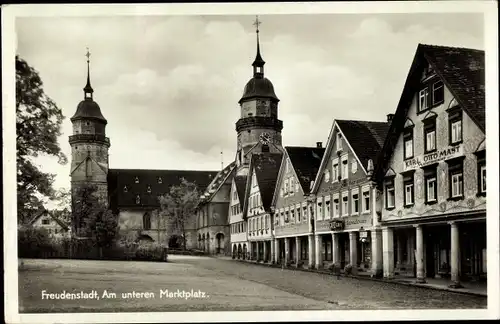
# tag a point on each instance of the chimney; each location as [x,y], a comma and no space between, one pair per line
[319,144]
[390,117]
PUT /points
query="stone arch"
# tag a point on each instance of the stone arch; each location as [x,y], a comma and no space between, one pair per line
[203,242]
[175,242]
[235,251]
[207,243]
[240,251]
[220,242]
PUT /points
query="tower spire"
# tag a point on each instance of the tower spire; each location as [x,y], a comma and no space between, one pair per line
[88,88]
[258,63]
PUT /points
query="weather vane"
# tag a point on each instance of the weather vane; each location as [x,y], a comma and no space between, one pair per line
[88,55]
[257,23]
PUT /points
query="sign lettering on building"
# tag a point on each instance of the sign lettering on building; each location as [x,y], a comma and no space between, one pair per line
[430,158]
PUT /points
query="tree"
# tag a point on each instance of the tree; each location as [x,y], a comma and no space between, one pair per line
[63,205]
[85,207]
[38,125]
[178,206]
[103,228]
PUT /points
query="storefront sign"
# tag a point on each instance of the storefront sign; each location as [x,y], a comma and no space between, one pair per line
[336,225]
[343,184]
[430,158]
[363,234]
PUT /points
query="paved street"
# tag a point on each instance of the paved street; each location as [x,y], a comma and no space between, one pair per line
[226,285]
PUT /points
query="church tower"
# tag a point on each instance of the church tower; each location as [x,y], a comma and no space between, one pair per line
[89,147]
[259,129]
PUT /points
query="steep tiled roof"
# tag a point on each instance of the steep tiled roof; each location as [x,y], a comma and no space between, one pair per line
[365,137]
[462,69]
[240,182]
[217,181]
[120,197]
[266,166]
[306,162]
[46,212]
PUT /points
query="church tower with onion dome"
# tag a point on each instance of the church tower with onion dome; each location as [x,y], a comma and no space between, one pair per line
[258,129]
[89,148]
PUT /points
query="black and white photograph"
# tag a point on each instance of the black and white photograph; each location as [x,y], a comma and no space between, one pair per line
[250,162]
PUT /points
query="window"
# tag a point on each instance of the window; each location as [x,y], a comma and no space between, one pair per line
[146,221]
[430,135]
[366,201]
[125,189]
[431,187]
[355,204]
[160,181]
[408,143]
[345,169]
[319,209]
[339,142]
[481,168]
[286,187]
[149,189]
[456,180]
[136,179]
[292,215]
[335,170]
[336,208]
[292,184]
[455,127]
[327,176]
[298,215]
[409,189]
[423,102]
[437,93]
[286,216]
[45,221]
[345,205]
[390,197]
[254,179]
[138,199]
[327,207]
[354,166]
[296,185]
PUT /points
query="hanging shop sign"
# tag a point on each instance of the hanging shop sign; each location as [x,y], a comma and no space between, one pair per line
[431,158]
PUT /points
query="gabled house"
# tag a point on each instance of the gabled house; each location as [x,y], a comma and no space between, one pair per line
[344,209]
[212,224]
[55,227]
[261,181]
[293,231]
[238,227]
[432,169]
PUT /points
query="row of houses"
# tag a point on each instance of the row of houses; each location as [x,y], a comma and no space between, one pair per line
[406,196]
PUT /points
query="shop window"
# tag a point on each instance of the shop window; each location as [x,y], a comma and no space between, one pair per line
[408,143]
[409,189]
[390,195]
[456,178]
[455,127]
[430,135]
[430,181]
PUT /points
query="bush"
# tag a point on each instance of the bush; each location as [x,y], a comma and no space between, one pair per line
[151,252]
[33,242]
[348,269]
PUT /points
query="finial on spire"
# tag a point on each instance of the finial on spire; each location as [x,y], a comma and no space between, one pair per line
[88,88]
[258,63]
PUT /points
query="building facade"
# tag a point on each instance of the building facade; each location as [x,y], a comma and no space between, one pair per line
[238,227]
[433,170]
[293,230]
[346,231]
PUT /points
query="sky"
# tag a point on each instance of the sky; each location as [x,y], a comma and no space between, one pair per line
[169,85]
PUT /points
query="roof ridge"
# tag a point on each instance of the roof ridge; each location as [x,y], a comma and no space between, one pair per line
[112,169]
[361,120]
[451,47]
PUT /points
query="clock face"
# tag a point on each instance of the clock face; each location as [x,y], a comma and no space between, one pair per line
[265,138]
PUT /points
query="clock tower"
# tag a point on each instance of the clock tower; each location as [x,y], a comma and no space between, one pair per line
[259,129]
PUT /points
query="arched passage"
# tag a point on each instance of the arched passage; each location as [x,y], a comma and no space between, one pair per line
[220,243]
[239,251]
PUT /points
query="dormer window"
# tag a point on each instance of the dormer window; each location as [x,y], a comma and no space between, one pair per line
[125,189]
[138,199]
[149,189]
[160,181]
[136,179]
